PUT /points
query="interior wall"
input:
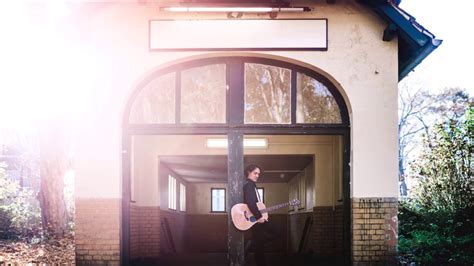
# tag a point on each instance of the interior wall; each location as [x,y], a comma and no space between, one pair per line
[147,150]
[301,187]
[325,167]
[199,197]
[275,193]
[163,172]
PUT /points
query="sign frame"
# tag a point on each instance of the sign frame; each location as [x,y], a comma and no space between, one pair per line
[152,40]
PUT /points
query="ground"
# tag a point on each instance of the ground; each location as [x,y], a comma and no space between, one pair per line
[52,252]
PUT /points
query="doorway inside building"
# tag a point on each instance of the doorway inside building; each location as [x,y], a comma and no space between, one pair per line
[234,101]
[193,196]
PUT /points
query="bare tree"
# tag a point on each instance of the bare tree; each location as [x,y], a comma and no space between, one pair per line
[53,144]
[419,110]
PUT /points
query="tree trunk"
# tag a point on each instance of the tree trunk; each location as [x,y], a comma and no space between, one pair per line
[53,163]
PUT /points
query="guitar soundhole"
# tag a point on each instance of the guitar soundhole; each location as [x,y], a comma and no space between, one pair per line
[252,218]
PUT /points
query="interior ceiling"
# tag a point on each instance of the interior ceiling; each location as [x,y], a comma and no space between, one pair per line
[213,168]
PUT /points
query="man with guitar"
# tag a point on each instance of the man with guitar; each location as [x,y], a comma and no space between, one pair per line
[262,231]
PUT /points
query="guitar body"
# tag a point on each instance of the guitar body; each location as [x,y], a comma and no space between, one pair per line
[243,218]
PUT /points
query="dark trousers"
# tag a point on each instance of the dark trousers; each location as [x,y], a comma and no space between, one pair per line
[262,234]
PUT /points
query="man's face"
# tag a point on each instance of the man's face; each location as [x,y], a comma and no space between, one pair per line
[254,175]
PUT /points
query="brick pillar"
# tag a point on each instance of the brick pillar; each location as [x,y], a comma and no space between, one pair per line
[374,231]
[135,251]
[144,233]
[149,232]
[97,231]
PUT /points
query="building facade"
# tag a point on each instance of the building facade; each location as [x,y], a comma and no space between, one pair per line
[316,82]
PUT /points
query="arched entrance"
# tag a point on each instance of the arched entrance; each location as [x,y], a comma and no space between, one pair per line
[234,98]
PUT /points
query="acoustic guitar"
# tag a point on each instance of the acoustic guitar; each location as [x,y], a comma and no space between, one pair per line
[243,218]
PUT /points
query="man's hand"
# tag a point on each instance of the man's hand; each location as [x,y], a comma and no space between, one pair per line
[261,220]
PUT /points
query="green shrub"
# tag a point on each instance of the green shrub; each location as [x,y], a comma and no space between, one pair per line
[19,209]
[436,226]
[432,239]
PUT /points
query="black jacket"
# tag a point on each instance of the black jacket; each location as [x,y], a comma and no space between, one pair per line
[250,198]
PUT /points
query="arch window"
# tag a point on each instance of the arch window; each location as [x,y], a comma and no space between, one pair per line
[314,102]
[155,103]
[267,94]
[203,94]
[259,92]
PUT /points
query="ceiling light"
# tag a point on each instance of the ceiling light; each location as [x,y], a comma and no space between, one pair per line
[255,143]
[236,9]
[216,143]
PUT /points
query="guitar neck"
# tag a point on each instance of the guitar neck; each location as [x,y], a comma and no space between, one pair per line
[276,207]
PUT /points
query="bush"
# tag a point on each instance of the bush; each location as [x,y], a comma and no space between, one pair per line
[428,238]
[20,214]
[436,226]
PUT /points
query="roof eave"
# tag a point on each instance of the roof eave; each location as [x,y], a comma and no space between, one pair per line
[421,53]
[416,42]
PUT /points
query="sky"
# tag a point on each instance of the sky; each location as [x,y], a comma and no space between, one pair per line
[450,64]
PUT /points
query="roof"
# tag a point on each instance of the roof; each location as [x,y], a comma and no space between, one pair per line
[415,42]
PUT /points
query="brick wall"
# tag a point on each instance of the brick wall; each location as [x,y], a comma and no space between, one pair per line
[144,232]
[97,231]
[134,229]
[374,230]
[327,231]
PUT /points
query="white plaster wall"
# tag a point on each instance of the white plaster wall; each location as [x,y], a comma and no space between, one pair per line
[361,65]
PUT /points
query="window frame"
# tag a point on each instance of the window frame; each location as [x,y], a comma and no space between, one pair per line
[235,95]
[225,200]
[182,197]
[172,194]
[179,99]
[263,193]
[235,126]
[296,101]
[290,107]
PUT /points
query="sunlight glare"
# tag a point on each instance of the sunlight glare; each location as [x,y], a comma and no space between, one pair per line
[45,74]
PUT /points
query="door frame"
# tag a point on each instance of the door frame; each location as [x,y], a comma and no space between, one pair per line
[234,129]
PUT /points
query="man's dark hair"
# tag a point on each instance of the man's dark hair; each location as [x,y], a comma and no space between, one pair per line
[250,168]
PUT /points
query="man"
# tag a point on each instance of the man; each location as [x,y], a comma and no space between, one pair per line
[262,227]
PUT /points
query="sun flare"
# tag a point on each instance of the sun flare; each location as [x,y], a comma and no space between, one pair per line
[46,74]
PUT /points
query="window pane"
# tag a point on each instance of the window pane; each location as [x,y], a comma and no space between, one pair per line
[315,103]
[267,94]
[170,189]
[182,198]
[155,102]
[218,200]
[261,193]
[203,94]
[171,192]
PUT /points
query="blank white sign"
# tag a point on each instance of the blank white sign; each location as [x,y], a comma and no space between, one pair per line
[238,34]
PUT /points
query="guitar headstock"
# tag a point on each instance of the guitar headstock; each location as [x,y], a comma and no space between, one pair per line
[295,202]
